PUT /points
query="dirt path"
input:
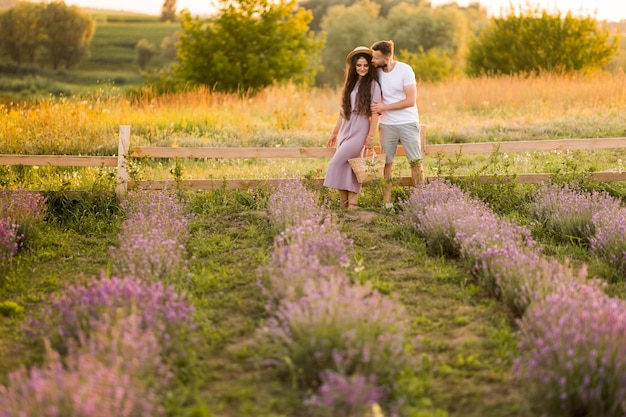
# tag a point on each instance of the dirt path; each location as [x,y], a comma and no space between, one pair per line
[468,337]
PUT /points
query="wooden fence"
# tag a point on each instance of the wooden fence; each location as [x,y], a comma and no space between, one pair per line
[126,152]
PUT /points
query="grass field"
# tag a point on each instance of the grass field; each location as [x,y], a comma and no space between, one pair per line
[113,45]
[477,110]
[467,338]
[112,60]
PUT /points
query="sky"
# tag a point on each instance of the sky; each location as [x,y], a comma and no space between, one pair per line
[613,10]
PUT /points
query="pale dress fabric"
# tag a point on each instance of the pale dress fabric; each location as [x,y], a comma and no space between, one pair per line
[350,141]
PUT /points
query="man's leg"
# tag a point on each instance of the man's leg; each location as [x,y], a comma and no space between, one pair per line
[417,172]
[410,139]
[389,144]
[388,177]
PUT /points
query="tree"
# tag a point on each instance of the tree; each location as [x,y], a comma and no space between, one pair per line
[418,29]
[432,66]
[345,28]
[249,45]
[168,11]
[168,46]
[533,41]
[414,27]
[145,51]
[321,8]
[68,32]
[21,32]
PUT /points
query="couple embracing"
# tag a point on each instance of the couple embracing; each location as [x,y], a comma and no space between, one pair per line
[379,93]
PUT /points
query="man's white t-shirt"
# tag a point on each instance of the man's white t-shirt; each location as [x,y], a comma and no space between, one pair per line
[392,84]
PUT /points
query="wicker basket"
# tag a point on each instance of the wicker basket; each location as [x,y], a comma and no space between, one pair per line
[368,168]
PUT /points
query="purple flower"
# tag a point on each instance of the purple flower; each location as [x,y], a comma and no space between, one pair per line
[346,396]
[335,326]
[305,251]
[116,373]
[566,211]
[573,352]
[152,239]
[9,241]
[608,243]
[80,310]
[291,204]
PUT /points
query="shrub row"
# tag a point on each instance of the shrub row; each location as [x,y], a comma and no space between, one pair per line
[20,211]
[111,345]
[342,341]
[571,351]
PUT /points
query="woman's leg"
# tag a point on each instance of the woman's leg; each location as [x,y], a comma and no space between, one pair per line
[343,199]
[353,200]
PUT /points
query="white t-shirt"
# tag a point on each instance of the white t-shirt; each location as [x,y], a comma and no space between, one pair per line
[392,84]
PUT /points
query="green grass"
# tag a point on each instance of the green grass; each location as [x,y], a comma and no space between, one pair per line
[112,60]
[467,340]
[113,46]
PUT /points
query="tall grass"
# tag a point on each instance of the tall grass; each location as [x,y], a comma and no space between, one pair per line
[505,108]
[470,110]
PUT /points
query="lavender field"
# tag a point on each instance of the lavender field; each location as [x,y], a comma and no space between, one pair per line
[275,303]
[467,299]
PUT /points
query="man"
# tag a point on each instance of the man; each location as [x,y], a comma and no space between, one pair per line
[399,121]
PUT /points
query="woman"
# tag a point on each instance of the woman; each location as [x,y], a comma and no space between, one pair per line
[355,126]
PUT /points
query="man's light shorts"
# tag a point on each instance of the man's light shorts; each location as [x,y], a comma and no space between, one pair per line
[408,135]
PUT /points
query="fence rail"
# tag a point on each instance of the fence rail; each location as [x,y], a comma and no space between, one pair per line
[126,152]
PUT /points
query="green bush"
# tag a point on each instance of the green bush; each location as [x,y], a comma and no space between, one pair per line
[531,40]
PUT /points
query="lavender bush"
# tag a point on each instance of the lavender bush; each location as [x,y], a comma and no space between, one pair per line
[566,211]
[484,230]
[608,243]
[150,249]
[77,312]
[163,203]
[21,206]
[521,275]
[110,375]
[291,204]
[347,329]
[346,396]
[573,353]
[9,240]
[432,211]
[21,210]
[305,251]
[152,239]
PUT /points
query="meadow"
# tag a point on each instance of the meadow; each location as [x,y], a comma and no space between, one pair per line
[474,110]
[234,256]
[111,60]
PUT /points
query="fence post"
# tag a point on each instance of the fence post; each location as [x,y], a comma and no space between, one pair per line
[122,162]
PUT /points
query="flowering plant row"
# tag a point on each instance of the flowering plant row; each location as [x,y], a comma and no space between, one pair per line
[570,358]
[344,341]
[20,211]
[111,344]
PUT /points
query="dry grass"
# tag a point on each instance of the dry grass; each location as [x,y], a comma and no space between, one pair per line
[513,108]
[284,115]
[460,111]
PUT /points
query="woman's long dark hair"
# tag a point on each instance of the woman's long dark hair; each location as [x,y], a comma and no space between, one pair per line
[364,95]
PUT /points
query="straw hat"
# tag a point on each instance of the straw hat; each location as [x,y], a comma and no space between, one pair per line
[358,50]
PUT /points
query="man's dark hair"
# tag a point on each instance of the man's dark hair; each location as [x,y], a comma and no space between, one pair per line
[384,47]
